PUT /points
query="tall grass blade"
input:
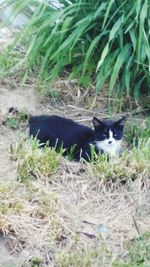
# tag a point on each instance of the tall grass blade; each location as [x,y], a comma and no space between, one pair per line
[112,35]
[90,51]
[124,53]
[110,3]
[105,70]
[143,15]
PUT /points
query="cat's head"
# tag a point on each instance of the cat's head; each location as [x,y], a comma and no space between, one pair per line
[108,135]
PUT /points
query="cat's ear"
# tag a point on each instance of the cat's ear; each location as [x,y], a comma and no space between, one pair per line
[97,123]
[121,122]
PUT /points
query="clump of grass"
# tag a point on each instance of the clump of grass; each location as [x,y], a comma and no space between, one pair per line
[36,262]
[9,58]
[131,165]
[86,256]
[112,40]
[7,193]
[135,131]
[71,152]
[6,62]
[77,258]
[35,162]
[138,252]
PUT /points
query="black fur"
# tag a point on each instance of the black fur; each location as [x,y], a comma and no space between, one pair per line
[64,132]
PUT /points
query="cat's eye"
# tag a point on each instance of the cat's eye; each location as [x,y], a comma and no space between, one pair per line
[115,135]
[104,135]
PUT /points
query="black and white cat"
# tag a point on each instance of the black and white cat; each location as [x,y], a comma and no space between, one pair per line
[58,131]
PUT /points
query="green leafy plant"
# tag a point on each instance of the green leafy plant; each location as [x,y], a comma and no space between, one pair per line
[70,154]
[139,252]
[12,123]
[108,38]
[15,118]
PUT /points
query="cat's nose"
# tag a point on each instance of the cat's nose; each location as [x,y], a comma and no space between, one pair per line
[109,142]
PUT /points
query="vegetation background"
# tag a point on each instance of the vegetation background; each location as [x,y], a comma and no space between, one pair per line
[76,59]
[94,41]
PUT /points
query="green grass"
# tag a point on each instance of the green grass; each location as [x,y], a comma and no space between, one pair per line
[111,39]
[136,130]
[133,163]
[135,155]
[138,255]
[6,62]
[84,257]
[43,209]
[9,59]
[15,119]
[36,201]
[33,162]
[36,162]
[139,252]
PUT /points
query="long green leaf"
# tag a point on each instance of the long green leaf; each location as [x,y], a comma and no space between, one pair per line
[112,35]
[138,9]
[90,50]
[143,15]
[107,12]
[115,28]
[147,48]
[106,70]
[103,55]
[133,37]
[124,53]
[128,80]
[99,10]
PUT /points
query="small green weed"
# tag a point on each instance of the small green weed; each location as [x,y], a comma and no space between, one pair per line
[36,262]
[14,118]
[70,154]
[93,155]
[12,123]
[139,252]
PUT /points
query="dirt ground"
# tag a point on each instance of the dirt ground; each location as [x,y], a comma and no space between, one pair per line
[87,206]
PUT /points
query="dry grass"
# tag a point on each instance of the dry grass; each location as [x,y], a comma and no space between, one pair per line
[72,220]
[56,212]
[74,214]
